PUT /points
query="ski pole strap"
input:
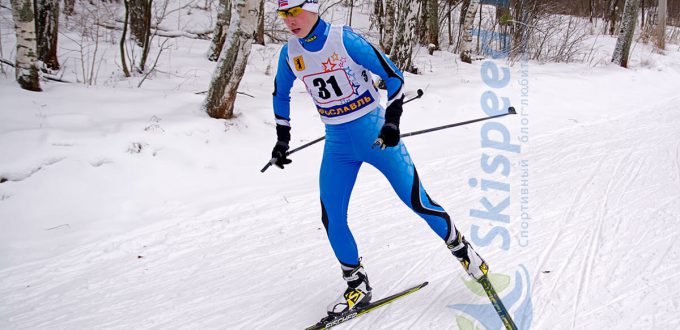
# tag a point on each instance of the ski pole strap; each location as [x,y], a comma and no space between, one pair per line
[511,111]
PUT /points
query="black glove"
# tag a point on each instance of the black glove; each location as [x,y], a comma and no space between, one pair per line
[279,154]
[389,134]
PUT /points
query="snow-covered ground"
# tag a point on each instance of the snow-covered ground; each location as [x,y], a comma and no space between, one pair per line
[131,208]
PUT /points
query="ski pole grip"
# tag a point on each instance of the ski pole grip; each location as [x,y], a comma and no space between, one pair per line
[420,94]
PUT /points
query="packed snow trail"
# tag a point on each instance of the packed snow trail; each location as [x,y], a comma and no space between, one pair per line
[606,198]
[129,208]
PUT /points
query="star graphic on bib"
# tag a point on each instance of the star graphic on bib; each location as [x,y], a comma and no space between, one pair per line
[328,65]
[349,72]
[355,88]
[335,57]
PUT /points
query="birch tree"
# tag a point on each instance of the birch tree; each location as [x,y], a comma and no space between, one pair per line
[219,102]
[259,33]
[47,29]
[387,38]
[661,25]
[468,24]
[26,53]
[221,28]
[405,35]
[625,39]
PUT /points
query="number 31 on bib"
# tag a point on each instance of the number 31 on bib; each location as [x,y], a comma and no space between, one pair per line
[328,87]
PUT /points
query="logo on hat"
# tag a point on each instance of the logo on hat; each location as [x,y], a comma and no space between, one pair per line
[283,3]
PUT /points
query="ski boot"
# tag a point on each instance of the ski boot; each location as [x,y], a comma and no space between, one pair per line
[358,291]
[474,265]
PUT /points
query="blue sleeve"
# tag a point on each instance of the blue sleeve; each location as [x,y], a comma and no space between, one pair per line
[282,85]
[366,55]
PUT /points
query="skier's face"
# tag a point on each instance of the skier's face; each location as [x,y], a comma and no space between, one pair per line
[301,24]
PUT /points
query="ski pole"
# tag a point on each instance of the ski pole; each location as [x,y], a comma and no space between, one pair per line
[511,111]
[273,160]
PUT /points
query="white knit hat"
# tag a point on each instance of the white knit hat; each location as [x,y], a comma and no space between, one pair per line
[308,5]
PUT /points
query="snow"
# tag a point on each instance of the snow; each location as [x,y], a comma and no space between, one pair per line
[129,207]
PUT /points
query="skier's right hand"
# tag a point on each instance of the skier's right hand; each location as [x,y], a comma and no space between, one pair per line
[279,157]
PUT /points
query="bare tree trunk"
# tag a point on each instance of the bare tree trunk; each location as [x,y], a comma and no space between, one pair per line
[465,4]
[123,60]
[612,16]
[466,44]
[47,29]
[448,17]
[642,17]
[69,6]
[625,39]
[26,54]
[146,42]
[390,23]
[378,19]
[405,35]
[221,29]
[219,102]
[139,28]
[259,35]
[422,21]
[433,23]
[351,12]
[479,29]
[661,24]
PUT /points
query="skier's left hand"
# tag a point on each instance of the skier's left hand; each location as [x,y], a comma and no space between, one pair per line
[389,133]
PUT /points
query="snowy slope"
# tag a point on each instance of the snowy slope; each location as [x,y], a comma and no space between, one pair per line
[130,208]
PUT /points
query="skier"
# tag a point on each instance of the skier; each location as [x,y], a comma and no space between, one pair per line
[335,65]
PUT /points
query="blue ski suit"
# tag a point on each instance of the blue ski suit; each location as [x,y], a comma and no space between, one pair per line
[349,144]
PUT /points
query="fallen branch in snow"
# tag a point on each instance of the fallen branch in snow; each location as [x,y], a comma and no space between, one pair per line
[54,78]
[202,35]
[43,75]
[57,227]
[242,93]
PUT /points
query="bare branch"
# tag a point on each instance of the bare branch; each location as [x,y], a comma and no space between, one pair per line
[155,62]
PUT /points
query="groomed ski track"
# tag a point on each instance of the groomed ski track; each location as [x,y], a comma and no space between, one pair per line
[603,250]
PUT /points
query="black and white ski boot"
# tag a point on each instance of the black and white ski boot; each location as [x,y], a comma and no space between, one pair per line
[357,294]
[474,265]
